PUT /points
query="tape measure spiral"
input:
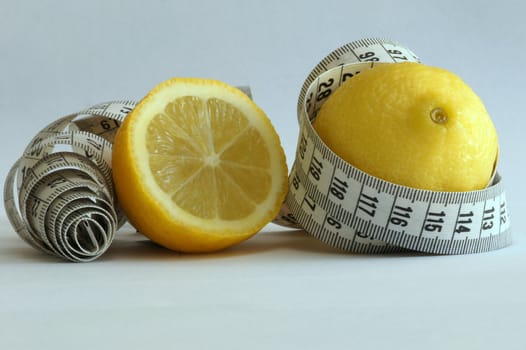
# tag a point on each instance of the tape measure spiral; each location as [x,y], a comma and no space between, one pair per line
[62,201]
[59,195]
[356,212]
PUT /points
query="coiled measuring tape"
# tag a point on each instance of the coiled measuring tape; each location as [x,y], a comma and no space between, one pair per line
[62,201]
[356,212]
[59,195]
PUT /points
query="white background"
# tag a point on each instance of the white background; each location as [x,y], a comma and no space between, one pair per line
[281,289]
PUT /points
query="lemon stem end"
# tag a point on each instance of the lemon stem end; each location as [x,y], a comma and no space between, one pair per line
[438,115]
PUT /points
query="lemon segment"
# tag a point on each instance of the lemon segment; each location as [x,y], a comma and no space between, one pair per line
[198,166]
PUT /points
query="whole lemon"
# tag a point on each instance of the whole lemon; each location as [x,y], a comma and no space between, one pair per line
[413,125]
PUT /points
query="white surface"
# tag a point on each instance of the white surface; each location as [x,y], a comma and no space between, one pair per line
[281,290]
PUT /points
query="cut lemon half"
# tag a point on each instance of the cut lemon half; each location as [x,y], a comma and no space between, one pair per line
[198,166]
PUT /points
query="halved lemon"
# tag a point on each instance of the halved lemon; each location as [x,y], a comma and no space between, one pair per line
[198,166]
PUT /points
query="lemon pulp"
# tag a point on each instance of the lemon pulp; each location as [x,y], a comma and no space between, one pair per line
[208,175]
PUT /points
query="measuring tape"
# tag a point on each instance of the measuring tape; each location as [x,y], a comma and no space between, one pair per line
[59,195]
[356,212]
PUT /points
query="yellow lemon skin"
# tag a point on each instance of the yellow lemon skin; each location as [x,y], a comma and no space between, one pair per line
[198,167]
[412,125]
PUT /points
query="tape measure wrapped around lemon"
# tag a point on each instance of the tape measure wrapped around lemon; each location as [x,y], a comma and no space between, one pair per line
[198,166]
[391,154]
